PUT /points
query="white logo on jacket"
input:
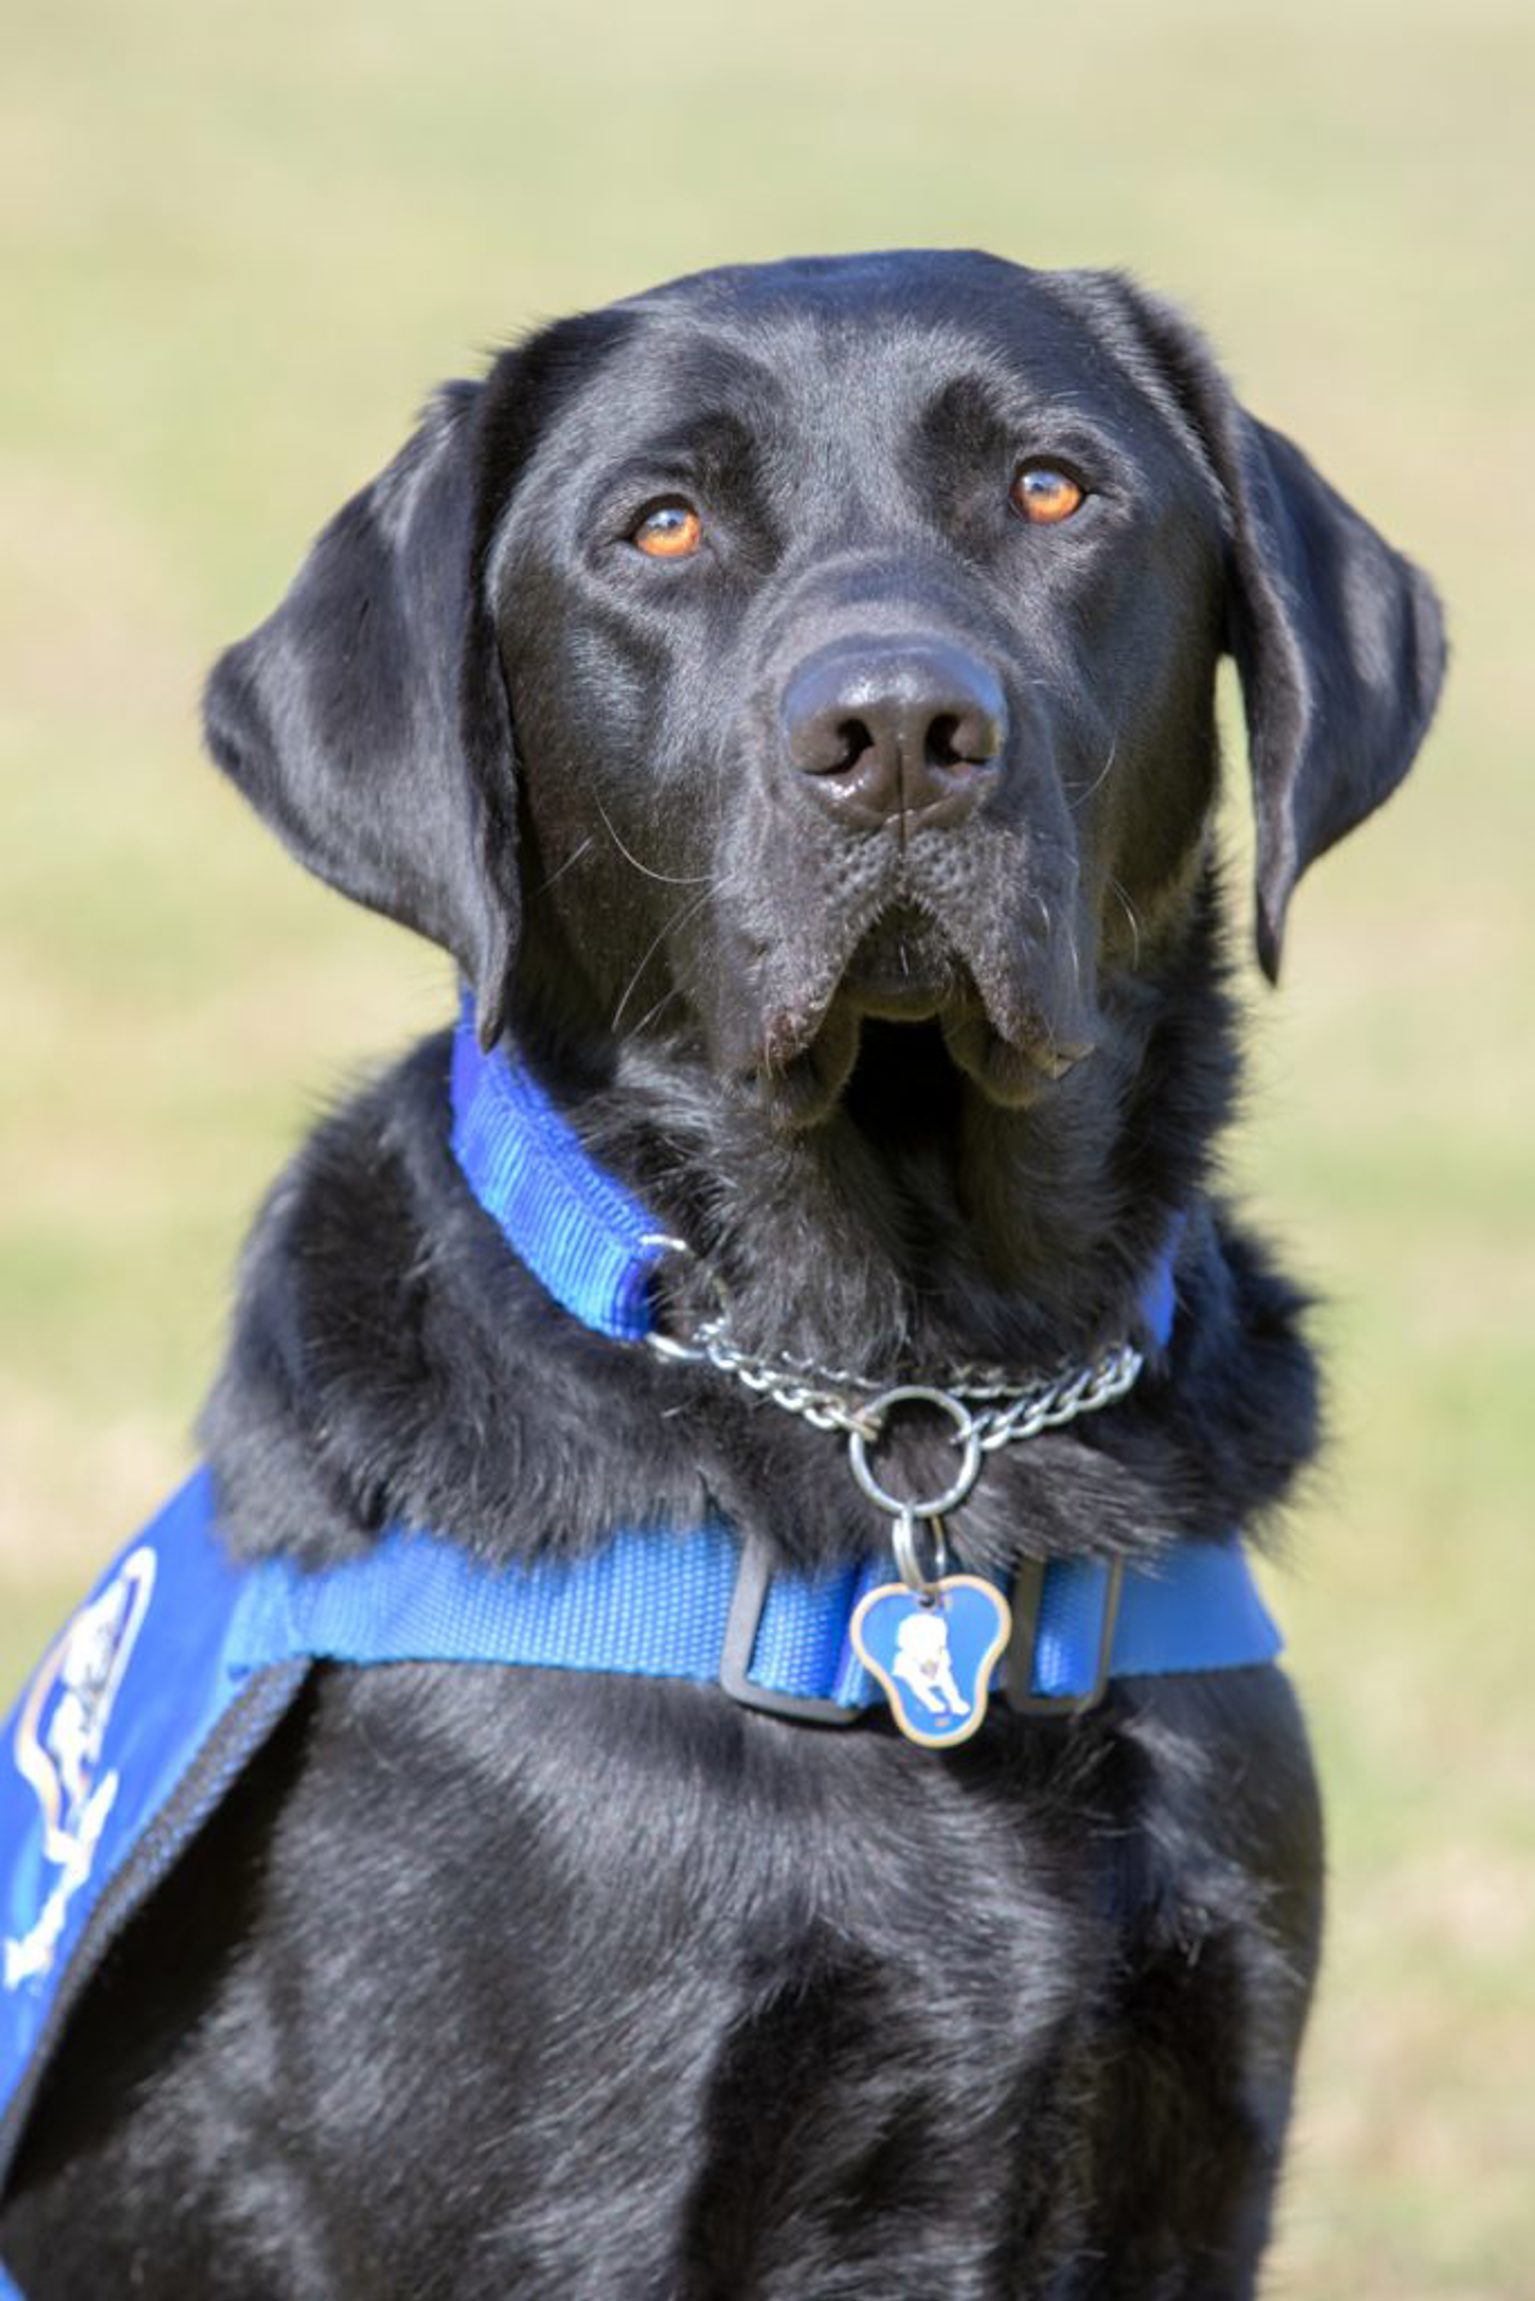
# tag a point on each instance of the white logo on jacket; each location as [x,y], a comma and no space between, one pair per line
[59,1739]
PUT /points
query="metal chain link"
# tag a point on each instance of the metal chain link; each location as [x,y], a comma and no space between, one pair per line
[828,1398]
[1052,1404]
[990,1407]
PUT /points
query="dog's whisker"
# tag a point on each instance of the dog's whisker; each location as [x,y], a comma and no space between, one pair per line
[569,864]
[1082,797]
[664,878]
[657,1007]
[1130,913]
[678,919]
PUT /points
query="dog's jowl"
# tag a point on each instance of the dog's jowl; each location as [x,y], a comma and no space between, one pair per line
[704,1729]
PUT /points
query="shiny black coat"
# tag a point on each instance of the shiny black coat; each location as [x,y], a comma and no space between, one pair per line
[491,1982]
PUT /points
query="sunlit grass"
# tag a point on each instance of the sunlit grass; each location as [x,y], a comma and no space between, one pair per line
[239,246]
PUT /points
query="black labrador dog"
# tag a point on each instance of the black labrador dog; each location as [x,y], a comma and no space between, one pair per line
[789,696]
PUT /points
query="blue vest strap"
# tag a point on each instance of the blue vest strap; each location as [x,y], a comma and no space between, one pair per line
[656,1604]
[648,1604]
[1196,1607]
[181,1664]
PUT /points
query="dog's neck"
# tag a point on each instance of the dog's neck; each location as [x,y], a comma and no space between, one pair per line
[970,1234]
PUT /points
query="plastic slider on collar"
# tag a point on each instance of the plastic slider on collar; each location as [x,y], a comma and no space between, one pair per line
[1029,1651]
[1058,1664]
[753,1577]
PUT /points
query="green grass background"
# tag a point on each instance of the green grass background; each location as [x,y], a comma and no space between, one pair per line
[240,242]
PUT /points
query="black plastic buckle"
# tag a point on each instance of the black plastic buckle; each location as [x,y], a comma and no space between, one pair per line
[1025,1597]
[753,1576]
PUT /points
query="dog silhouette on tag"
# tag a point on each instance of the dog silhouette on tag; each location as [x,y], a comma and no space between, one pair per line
[933,1655]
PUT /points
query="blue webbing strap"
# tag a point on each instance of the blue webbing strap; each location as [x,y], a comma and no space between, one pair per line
[1195,1608]
[653,1604]
[590,1244]
[648,1604]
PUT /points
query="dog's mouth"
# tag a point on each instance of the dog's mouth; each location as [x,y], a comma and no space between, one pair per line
[906,993]
[905,970]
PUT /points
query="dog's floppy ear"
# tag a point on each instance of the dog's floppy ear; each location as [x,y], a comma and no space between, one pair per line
[367,719]
[1338,639]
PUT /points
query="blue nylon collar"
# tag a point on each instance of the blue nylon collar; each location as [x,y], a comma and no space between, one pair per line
[586,1240]
[590,1245]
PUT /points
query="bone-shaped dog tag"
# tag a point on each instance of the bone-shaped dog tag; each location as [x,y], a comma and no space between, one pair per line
[933,1653]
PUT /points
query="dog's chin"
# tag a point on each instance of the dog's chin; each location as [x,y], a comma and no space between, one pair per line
[802,1089]
[907,976]
[1014,1060]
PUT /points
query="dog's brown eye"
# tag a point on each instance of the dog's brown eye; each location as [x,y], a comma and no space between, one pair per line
[1044,495]
[669,531]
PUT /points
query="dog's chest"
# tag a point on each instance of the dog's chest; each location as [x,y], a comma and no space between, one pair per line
[599,1987]
[734,1982]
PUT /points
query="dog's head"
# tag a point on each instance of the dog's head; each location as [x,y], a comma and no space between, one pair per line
[822,641]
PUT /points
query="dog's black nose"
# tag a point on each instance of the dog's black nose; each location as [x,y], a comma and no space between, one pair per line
[896,729]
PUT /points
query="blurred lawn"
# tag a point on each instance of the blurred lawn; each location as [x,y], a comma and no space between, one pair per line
[241,242]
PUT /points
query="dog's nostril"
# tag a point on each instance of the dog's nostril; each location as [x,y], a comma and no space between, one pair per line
[969,738]
[943,742]
[854,740]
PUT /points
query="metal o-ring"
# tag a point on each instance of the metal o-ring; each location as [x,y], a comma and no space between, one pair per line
[903,1541]
[904,1506]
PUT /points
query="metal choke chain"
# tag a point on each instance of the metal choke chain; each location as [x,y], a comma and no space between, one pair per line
[999,1407]
[988,1407]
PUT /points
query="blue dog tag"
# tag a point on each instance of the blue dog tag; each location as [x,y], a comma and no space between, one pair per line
[934,1655]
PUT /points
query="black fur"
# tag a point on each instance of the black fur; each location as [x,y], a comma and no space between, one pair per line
[503,1982]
